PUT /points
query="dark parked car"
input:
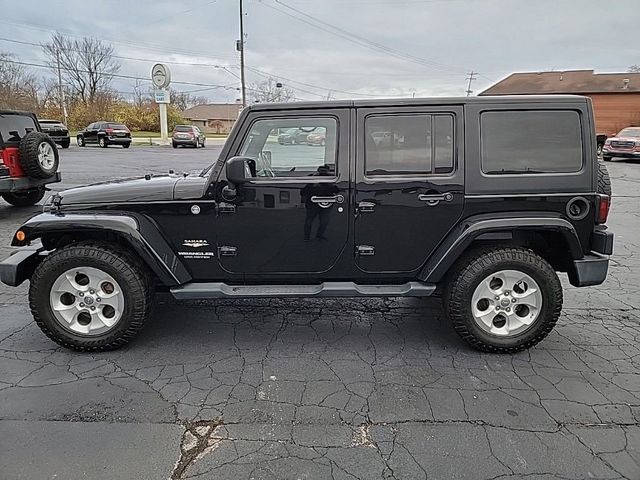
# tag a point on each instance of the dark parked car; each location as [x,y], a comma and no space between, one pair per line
[57,130]
[104,134]
[462,199]
[626,144]
[28,159]
[187,135]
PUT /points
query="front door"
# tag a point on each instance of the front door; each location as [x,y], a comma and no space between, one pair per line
[292,217]
[409,184]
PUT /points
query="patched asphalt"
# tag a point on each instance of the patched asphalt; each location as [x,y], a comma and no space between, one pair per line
[316,389]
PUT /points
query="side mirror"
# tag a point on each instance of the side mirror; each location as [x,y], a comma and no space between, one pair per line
[237,168]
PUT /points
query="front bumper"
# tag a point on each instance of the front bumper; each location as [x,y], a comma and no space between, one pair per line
[19,266]
[608,152]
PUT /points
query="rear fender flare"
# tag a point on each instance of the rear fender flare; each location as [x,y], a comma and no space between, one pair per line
[461,238]
[137,231]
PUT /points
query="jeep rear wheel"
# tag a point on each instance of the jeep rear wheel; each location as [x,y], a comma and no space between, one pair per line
[504,300]
[90,296]
[25,198]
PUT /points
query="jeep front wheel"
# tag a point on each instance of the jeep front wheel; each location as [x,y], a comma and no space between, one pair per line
[504,300]
[90,296]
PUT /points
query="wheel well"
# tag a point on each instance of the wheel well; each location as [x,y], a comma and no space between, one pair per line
[55,241]
[552,246]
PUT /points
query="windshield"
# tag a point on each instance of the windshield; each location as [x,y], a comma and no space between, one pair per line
[182,128]
[629,132]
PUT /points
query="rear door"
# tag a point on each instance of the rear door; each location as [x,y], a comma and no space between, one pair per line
[409,184]
[292,217]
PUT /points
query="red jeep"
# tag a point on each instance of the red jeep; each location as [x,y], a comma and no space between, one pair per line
[28,159]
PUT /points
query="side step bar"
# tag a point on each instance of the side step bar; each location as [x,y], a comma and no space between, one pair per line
[194,291]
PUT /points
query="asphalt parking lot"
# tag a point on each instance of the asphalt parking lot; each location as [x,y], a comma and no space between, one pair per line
[316,389]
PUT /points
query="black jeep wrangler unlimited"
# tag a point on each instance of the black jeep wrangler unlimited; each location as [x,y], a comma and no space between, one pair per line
[404,198]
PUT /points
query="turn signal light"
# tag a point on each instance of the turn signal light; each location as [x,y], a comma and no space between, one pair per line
[604,204]
[20,236]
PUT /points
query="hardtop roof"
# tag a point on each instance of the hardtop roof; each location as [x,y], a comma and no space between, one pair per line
[408,102]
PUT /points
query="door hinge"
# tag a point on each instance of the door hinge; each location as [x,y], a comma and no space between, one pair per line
[227,251]
[224,207]
[365,250]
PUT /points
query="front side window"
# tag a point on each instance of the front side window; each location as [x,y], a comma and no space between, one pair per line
[292,147]
[409,144]
[531,142]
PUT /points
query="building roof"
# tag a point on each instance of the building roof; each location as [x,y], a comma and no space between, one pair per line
[213,111]
[571,81]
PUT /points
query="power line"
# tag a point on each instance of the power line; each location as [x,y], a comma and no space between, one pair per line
[357,39]
[118,75]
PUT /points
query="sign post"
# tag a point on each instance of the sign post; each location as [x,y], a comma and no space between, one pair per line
[161,78]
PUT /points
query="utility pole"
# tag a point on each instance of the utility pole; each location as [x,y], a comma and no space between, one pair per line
[61,90]
[240,47]
[471,78]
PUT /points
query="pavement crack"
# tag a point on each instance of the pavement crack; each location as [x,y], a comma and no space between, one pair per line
[195,440]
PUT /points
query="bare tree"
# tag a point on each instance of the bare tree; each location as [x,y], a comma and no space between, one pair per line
[87,65]
[18,88]
[634,69]
[184,100]
[270,91]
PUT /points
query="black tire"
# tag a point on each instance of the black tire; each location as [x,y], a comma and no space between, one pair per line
[174,144]
[606,159]
[25,198]
[80,141]
[65,144]
[604,181]
[126,145]
[476,267]
[30,155]
[102,141]
[123,267]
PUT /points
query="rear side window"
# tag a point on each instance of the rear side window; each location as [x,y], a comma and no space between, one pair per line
[531,142]
[409,144]
[14,127]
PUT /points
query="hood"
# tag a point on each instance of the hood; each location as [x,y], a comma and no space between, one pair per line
[145,189]
[625,139]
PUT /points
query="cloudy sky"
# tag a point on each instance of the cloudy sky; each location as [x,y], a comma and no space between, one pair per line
[337,48]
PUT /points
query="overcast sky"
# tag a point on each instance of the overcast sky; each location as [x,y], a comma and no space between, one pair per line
[341,48]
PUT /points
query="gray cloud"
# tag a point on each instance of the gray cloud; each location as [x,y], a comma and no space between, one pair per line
[493,37]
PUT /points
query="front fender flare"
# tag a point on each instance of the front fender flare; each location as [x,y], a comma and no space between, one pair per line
[138,231]
[471,229]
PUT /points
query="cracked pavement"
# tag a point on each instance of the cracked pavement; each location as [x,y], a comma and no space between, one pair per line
[316,389]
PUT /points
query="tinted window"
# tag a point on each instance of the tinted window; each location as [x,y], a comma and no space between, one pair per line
[292,147]
[182,128]
[531,142]
[118,126]
[14,127]
[409,145]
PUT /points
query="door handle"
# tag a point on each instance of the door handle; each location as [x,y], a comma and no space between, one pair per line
[326,201]
[433,200]
[366,206]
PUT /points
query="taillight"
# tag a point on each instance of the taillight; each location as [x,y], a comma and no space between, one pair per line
[604,204]
[109,130]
